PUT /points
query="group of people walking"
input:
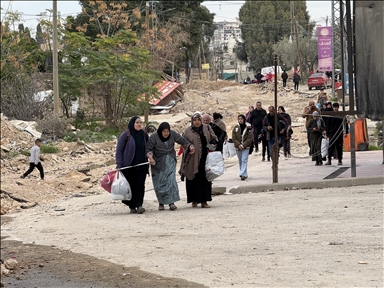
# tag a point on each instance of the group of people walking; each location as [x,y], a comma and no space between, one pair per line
[333,128]
[139,151]
[136,150]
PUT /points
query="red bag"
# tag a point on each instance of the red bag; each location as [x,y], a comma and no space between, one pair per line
[107,180]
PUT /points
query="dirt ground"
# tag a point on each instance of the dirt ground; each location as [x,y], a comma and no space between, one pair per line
[73,176]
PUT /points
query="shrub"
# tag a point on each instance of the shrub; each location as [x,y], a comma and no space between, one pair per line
[52,127]
[48,149]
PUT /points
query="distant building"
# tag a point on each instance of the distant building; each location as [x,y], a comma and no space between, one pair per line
[223,45]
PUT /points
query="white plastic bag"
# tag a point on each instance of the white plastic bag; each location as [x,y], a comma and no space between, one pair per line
[229,150]
[214,165]
[120,190]
[324,147]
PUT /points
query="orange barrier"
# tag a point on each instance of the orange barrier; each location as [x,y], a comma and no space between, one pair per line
[361,137]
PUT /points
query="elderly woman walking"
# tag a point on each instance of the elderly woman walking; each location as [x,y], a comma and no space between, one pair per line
[192,167]
[162,157]
[316,127]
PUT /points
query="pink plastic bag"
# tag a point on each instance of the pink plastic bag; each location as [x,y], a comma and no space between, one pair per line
[107,180]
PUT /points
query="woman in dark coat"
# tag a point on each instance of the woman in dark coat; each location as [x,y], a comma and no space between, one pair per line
[130,151]
[162,157]
[192,167]
[316,127]
[286,136]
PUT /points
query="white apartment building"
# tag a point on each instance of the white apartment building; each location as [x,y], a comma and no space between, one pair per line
[223,45]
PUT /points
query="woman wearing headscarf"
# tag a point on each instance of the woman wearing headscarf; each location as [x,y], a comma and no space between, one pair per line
[316,127]
[242,139]
[162,157]
[130,151]
[192,167]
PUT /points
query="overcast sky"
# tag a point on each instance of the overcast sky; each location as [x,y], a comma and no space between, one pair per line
[224,10]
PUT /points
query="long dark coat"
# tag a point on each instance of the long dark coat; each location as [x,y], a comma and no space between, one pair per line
[315,140]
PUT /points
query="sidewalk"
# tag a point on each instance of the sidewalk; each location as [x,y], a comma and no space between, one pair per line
[298,172]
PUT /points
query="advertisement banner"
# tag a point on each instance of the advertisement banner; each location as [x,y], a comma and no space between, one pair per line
[324,48]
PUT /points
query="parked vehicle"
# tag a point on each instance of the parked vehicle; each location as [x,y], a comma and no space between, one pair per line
[318,81]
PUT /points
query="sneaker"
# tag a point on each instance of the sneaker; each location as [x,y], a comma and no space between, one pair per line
[194,204]
[242,178]
[172,206]
[340,162]
[161,207]
[140,210]
[132,210]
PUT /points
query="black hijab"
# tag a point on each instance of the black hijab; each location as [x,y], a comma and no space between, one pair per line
[139,141]
[162,126]
[242,126]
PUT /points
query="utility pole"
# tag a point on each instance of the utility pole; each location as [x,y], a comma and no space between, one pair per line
[55,63]
[199,62]
[146,110]
[275,147]
[297,41]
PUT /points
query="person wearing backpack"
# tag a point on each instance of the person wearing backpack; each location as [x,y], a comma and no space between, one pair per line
[296,80]
[130,151]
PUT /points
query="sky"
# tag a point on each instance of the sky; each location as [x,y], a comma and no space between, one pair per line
[224,10]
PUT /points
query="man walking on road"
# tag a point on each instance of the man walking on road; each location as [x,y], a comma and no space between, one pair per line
[256,120]
[335,130]
[284,76]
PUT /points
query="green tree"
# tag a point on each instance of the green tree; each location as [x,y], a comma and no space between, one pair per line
[20,56]
[112,69]
[288,52]
[266,22]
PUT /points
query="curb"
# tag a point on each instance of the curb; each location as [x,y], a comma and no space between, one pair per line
[328,183]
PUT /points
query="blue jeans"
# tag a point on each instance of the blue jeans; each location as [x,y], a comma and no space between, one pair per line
[271,142]
[242,156]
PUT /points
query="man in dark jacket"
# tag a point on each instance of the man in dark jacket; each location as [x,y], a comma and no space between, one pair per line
[284,76]
[220,133]
[334,128]
[296,80]
[269,127]
[256,120]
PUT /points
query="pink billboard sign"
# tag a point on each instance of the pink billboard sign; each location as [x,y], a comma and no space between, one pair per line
[324,48]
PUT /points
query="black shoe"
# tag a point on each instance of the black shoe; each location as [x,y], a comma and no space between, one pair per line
[263,159]
[317,163]
[340,162]
[242,178]
[22,176]
[132,210]
[269,159]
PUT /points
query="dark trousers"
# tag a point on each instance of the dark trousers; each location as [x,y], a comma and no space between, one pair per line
[284,82]
[136,179]
[296,86]
[263,140]
[338,145]
[32,167]
[265,147]
[271,142]
[309,139]
[286,144]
